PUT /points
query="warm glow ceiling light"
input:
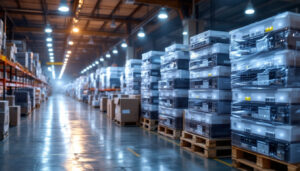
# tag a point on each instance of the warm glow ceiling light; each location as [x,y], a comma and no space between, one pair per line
[124,44]
[69,52]
[75,29]
[184,33]
[48,29]
[49,39]
[63,7]
[71,43]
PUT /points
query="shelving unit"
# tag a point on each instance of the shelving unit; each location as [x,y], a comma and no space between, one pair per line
[16,76]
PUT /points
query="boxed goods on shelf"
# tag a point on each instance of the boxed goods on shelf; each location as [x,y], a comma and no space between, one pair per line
[11,51]
[103,104]
[113,77]
[22,98]
[22,58]
[10,99]
[133,76]
[209,37]
[126,110]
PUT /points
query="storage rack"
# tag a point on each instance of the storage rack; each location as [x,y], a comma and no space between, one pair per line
[11,69]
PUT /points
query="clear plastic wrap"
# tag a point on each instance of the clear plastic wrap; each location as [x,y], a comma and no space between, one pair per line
[278,32]
[150,79]
[283,151]
[174,93]
[171,56]
[176,64]
[278,69]
[153,100]
[210,94]
[210,61]
[152,57]
[149,111]
[148,73]
[150,93]
[210,106]
[206,124]
[146,66]
[209,37]
[287,133]
[133,63]
[176,47]
[171,84]
[170,117]
[210,51]
[264,96]
[217,71]
[149,86]
[183,74]
[174,98]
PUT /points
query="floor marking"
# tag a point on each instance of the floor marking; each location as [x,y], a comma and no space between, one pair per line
[224,162]
[161,136]
[133,152]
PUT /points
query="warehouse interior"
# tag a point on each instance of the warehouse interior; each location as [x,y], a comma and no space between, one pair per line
[150,85]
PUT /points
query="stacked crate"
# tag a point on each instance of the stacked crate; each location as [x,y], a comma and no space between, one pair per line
[173,90]
[4,119]
[133,76]
[265,118]
[150,73]
[113,75]
[208,116]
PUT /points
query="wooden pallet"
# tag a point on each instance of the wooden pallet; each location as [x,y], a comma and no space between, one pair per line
[126,123]
[169,132]
[246,160]
[205,147]
[149,124]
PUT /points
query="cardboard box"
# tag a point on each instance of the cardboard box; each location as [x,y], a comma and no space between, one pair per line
[103,104]
[120,96]
[127,110]
[14,115]
[111,109]
[4,118]
[10,99]
[135,96]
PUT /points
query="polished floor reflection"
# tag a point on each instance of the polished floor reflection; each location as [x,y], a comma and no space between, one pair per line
[65,134]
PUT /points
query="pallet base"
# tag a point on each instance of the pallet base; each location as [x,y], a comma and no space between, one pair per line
[126,123]
[247,160]
[149,124]
[205,147]
[169,132]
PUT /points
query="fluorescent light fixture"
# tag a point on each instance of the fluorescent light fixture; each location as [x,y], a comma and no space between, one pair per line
[69,52]
[124,44]
[108,55]
[71,43]
[75,29]
[51,54]
[101,59]
[49,44]
[49,39]
[184,33]
[163,14]
[115,51]
[48,29]
[249,9]
[141,33]
[50,50]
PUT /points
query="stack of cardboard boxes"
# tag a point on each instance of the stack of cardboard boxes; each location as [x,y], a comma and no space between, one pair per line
[4,119]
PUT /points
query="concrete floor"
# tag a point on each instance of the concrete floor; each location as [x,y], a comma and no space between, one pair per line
[65,134]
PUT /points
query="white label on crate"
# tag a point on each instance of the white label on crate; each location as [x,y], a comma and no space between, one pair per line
[263,79]
[199,129]
[205,107]
[264,112]
[125,111]
[205,84]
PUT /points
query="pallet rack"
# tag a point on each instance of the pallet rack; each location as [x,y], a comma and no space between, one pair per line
[10,69]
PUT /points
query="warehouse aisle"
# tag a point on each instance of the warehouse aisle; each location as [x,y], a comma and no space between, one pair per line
[65,134]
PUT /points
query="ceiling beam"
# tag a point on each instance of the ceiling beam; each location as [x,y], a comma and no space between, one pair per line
[66,31]
[83,16]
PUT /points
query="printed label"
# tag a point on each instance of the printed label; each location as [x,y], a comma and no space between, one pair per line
[263,79]
[125,111]
[264,112]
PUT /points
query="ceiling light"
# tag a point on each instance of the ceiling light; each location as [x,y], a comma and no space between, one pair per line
[51,57]
[108,55]
[71,43]
[69,52]
[48,29]
[96,62]
[50,49]
[184,33]
[49,69]
[113,24]
[63,8]
[101,59]
[51,60]
[163,14]
[51,54]
[249,9]
[49,45]
[67,55]
[75,29]
[49,39]
[91,41]
[115,51]
[124,44]
[141,33]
